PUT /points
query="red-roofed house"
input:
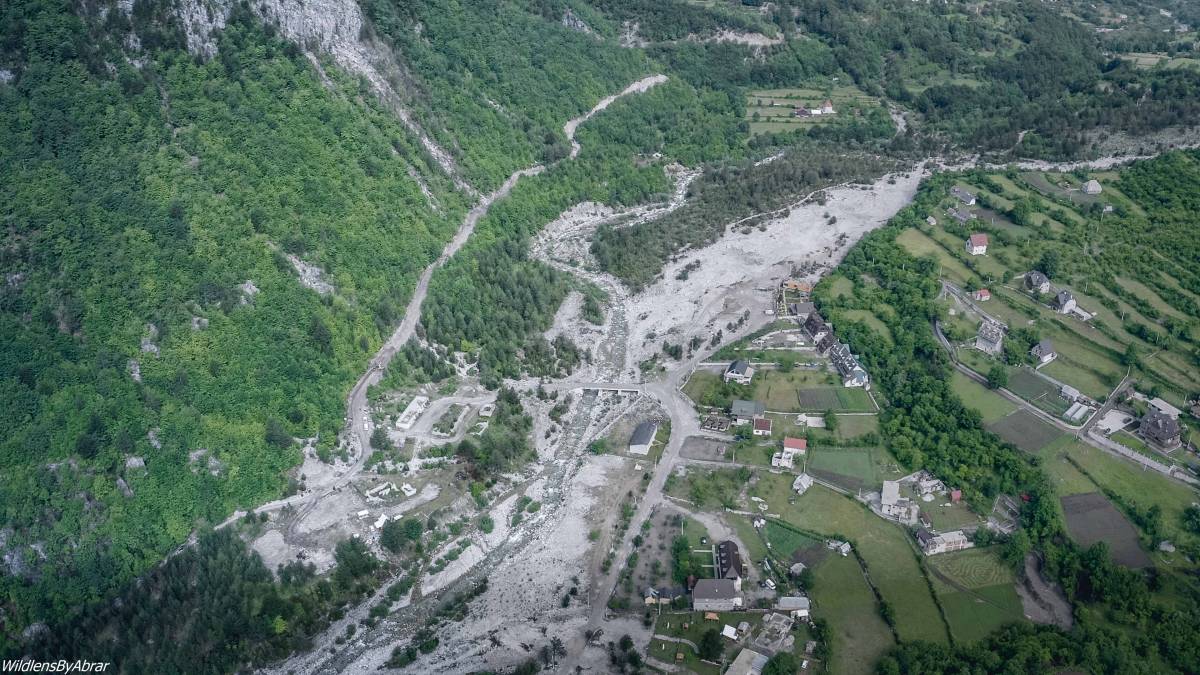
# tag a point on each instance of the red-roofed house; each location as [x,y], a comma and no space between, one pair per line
[797,445]
[982,295]
[762,426]
[977,244]
[791,447]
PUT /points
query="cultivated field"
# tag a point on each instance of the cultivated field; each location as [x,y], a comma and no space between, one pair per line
[1029,214]
[771,110]
[853,468]
[991,406]
[838,399]
[976,592]
[1091,518]
[858,635]
[1098,470]
[1038,391]
[885,547]
[1025,430]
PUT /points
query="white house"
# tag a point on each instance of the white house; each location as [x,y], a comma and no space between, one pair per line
[1037,282]
[796,605]
[717,595]
[786,458]
[977,244]
[739,371]
[802,483]
[893,505]
[847,365]
[1044,352]
[1064,302]
[944,543]
[990,339]
[762,426]
[963,196]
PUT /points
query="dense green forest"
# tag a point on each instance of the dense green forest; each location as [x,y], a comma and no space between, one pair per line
[492,297]
[136,204]
[160,353]
[975,74]
[495,82]
[215,608]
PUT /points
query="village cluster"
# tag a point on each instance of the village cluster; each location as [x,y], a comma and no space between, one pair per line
[1159,422]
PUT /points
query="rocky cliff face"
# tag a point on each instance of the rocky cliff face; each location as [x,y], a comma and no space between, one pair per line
[332,28]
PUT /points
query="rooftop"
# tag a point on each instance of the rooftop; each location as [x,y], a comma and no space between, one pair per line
[715,589]
[795,443]
[891,492]
[742,408]
[643,434]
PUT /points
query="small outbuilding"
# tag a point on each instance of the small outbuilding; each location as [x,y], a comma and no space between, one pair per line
[642,438]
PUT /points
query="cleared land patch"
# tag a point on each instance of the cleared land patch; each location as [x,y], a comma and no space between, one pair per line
[838,399]
[1092,518]
[991,406]
[852,468]
[858,635]
[1038,391]
[1025,430]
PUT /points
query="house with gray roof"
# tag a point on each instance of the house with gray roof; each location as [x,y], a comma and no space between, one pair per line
[1044,352]
[1037,282]
[1064,302]
[717,595]
[964,196]
[990,338]
[642,438]
[739,371]
[1160,429]
[745,411]
[847,365]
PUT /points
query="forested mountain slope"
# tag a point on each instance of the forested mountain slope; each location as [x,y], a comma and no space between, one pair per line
[159,351]
[207,233]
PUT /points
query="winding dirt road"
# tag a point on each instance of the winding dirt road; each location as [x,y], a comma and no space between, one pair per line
[359,425]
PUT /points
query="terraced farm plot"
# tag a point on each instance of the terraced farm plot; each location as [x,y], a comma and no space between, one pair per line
[1025,430]
[919,244]
[1092,518]
[838,399]
[780,391]
[976,614]
[1038,391]
[1104,471]
[972,568]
